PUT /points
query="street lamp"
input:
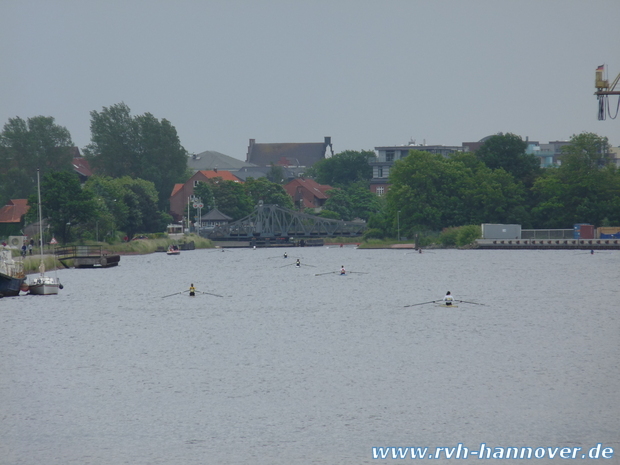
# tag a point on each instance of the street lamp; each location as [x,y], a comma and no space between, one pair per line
[398,217]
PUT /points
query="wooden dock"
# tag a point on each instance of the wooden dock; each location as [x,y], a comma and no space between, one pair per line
[87,256]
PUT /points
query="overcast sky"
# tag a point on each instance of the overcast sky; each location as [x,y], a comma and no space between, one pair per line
[366,73]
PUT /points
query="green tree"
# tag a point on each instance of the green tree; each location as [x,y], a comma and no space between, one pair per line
[267,191]
[363,202]
[339,202]
[585,188]
[343,168]
[132,203]
[140,147]
[25,146]
[507,151]
[65,203]
[433,192]
[276,174]
[231,198]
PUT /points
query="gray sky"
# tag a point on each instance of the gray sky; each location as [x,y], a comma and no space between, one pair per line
[366,73]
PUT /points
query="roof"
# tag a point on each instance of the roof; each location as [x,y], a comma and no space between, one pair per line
[176,188]
[308,190]
[210,160]
[225,175]
[14,210]
[81,166]
[310,185]
[215,215]
[287,154]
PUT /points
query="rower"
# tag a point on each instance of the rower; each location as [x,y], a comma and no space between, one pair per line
[285,255]
[298,263]
[342,270]
[192,290]
[448,299]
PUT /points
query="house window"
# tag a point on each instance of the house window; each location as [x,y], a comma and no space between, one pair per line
[404,153]
[379,171]
[380,191]
[389,155]
[196,183]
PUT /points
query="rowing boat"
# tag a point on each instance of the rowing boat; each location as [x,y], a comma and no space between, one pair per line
[444,305]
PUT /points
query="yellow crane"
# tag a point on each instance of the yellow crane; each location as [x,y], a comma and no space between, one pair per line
[603,91]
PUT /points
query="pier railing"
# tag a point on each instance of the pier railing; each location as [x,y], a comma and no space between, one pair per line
[79,251]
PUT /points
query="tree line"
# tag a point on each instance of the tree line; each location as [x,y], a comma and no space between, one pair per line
[501,183]
[138,159]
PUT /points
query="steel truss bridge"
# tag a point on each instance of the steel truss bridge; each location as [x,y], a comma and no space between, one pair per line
[271,221]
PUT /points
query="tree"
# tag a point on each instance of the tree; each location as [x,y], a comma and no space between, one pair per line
[268,192]
[339,202]
[433,192]
[132,203]
[507,151]
[140,147]
[25,146]
[231,198]
[65,203]
[585,188]
[343,168]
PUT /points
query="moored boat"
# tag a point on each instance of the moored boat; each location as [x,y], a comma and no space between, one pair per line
[43,285]
[11,274]
[174,250]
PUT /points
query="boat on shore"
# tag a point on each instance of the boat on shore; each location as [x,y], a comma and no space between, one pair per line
[12,275]
[174,250]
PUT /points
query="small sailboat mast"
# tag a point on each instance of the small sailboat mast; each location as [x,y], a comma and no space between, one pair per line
[41,266]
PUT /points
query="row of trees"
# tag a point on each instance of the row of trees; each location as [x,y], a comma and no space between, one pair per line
[500,183]
[138,159]
[99,209]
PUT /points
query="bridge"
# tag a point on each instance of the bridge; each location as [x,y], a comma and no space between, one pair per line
[281,224]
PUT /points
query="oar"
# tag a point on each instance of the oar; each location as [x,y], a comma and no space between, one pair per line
[286,265]
[423,303]
[303,264]
[358,272]
[176,293]
[466,302]
[216,295]
[329,272]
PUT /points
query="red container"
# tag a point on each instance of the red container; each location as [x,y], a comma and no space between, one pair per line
[586,231]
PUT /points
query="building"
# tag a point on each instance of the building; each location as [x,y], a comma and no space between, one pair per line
[290,155]
[307,193]
[182,193]
[212,219]
[387,155]
[11,217]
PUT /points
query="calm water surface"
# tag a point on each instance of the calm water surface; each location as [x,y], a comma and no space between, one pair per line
[293,368]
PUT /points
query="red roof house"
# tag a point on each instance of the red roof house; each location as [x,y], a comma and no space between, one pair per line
[13,211]
[307,193]
[181,193]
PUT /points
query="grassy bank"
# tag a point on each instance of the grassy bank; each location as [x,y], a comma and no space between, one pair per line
[137,247]
[146,246]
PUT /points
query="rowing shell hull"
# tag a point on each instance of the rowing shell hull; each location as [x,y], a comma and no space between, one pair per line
[447,306]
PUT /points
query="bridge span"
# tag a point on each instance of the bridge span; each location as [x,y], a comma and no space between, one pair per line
[281,224]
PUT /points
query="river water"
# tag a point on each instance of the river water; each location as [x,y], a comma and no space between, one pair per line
[293,368]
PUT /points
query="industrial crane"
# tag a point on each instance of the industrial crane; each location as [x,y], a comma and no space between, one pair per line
[603,91]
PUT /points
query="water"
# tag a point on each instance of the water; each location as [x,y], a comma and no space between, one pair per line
[293,368]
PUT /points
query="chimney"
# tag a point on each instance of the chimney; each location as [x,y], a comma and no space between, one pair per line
[250,148]
[328,143]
